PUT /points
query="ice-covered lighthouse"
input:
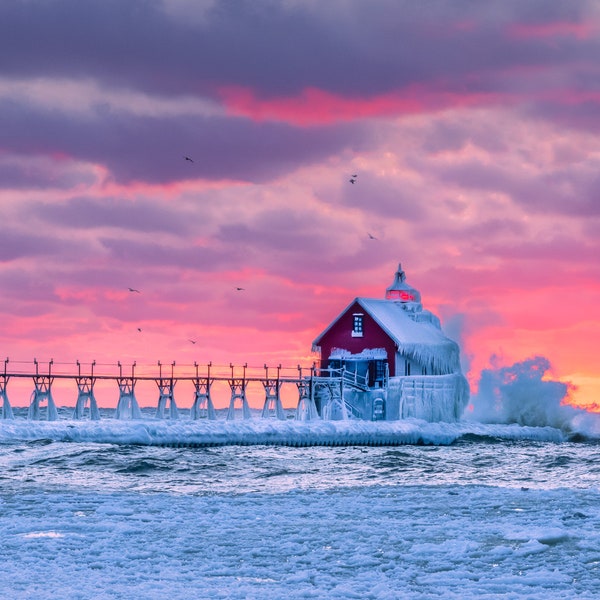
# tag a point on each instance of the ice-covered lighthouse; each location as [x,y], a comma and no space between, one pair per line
[397,360]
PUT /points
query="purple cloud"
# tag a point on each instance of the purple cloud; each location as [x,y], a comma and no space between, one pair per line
[353,48]
[16,244]
[152,149]
[90,213]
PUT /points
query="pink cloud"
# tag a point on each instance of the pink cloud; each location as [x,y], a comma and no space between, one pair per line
[556,29]
[315,106]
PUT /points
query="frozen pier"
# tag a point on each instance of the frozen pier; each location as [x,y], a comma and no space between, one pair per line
[319,391]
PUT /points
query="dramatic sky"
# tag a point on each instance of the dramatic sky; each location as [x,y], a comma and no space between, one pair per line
[473,129]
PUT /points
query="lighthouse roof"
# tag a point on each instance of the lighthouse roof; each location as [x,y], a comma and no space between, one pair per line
[416,334]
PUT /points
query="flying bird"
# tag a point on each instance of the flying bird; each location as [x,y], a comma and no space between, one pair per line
[134,290]
[188,158]
[371,236]
[192,341]
[352,180]
[140,329]
[240,289]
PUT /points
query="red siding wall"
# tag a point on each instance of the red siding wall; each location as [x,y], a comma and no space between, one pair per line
[340,336]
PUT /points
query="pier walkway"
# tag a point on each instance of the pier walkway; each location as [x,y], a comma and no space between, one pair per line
[320,391]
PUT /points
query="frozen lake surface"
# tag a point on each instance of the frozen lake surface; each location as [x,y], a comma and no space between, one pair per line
[494,511]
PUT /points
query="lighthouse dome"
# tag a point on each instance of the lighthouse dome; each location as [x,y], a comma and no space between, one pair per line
[401,292]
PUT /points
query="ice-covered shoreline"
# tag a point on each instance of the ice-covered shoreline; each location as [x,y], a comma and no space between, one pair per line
[157,432]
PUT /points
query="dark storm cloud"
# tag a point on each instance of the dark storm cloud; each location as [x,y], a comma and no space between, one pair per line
[90,213]
[152,149]
[278,48]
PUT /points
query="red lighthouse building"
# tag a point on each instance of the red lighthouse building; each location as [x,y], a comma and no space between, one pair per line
[396,345]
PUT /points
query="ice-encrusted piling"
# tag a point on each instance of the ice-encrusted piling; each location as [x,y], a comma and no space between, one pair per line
[272,406]
[203,407]
[7,412]
[306,409]
[85,395]
[238,392]
[128,407]
[166,387]
[42,393]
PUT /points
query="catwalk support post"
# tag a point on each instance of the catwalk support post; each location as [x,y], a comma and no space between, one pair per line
[7,412]
[42,393]
[127,408]
[272,406]
[85,394]
[238,392]
[203,408]
[306,409]
[166,387]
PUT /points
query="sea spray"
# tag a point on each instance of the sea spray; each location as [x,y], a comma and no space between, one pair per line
[520,394]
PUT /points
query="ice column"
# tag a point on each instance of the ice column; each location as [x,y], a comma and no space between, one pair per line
[7,412]
[41,393]
[238,392]
[166,394]
[272,406]
[333,408]
[306,409]
[85,389]
[203,408]
[127,408]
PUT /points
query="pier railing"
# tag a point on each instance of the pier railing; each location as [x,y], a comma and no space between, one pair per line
[309,381]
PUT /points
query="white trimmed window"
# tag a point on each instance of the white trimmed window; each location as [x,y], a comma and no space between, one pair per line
[357,324]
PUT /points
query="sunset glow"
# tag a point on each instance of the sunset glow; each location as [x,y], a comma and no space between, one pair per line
[473,137]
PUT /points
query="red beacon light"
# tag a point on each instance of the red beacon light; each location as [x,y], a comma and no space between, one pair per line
[400,291]
[401,295]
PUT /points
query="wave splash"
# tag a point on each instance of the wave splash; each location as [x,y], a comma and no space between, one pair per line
[523,394]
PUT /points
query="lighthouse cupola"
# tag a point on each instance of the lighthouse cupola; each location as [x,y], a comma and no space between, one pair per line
[403,293]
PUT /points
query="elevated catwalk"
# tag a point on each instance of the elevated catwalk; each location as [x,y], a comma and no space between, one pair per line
[315,387]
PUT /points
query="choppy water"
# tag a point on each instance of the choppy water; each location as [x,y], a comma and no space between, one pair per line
[482,458]
[50,465]
[497,511]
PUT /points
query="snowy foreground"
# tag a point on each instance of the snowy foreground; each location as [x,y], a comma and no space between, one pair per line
[384,542]
[172,509]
